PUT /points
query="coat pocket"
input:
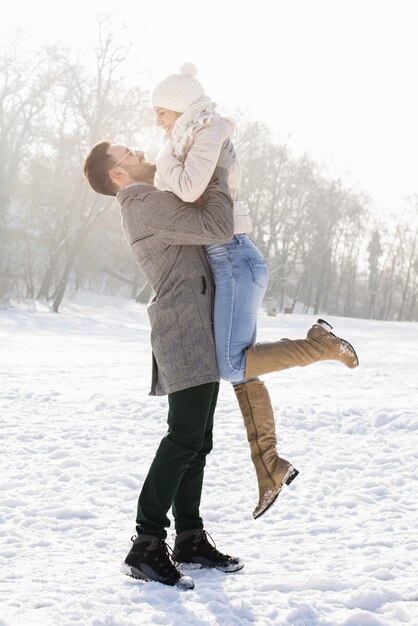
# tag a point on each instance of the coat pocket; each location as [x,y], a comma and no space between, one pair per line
[181,333]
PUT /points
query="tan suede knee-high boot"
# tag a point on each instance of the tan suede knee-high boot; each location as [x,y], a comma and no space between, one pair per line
[319,345]
[272,471]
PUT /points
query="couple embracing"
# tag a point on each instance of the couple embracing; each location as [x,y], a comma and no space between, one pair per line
[209,279]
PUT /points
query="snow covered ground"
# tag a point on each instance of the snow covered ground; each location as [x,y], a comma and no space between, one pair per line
[78,432]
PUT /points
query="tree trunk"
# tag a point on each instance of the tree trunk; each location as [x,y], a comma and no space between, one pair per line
[79,241]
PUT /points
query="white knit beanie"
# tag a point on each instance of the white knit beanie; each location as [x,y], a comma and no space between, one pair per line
[178,92]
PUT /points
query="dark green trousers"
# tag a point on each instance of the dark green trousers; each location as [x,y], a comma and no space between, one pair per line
[175,477]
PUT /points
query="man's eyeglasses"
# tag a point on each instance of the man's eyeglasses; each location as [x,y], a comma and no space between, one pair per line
[128,152]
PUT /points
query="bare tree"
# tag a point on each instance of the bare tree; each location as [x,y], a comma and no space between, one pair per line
[55,233]
[411,255]
[90,106]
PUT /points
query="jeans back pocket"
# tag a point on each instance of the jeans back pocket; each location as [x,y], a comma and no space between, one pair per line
[259,271]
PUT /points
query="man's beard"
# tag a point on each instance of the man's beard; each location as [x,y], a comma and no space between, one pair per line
[143,173]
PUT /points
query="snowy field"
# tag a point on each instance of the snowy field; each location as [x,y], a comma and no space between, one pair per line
[78,432]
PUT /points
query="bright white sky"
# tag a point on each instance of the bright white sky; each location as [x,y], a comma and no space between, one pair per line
[336,78]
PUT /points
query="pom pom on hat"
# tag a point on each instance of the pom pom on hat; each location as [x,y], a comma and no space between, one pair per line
[178,91]
[188,69]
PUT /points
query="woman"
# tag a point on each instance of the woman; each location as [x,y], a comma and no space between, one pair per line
[194,135]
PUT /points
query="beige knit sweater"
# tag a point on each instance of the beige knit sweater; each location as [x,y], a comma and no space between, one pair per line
[189,179]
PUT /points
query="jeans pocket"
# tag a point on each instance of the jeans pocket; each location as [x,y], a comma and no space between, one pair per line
[259,271]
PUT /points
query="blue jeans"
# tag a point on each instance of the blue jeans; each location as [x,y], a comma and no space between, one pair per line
[241,276]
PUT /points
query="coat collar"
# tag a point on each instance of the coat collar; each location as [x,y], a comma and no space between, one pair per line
[134,188]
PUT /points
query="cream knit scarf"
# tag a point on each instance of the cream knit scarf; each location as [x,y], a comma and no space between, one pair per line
[198,113]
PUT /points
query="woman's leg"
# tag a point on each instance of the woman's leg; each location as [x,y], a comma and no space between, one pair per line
[272,471]
[241,276]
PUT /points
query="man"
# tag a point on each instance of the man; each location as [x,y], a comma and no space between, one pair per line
[166,235]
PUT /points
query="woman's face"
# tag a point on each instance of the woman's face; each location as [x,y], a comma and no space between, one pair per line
[166,119]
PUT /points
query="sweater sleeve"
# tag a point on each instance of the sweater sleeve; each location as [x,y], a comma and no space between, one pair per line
[179,223]
[189,180]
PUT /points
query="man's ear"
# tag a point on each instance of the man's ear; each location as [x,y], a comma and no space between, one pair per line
[116,174]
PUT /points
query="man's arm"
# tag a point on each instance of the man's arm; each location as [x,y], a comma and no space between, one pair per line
[178,223]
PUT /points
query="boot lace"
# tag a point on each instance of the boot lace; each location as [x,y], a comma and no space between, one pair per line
[161,556]
[202,538]
[164,558]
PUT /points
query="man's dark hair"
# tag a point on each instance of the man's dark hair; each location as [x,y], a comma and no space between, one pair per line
[96,169]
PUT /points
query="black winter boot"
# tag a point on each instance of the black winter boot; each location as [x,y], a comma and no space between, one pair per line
[148,559]
[192,546]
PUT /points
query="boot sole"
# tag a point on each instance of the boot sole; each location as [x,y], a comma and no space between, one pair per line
[289,477]
[346,345]
[328,328]
[355,354]
[221,568]
[183,583]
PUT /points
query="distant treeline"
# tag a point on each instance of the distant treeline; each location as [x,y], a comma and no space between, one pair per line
[325,247]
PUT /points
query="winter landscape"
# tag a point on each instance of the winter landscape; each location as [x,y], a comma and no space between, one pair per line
[339,548]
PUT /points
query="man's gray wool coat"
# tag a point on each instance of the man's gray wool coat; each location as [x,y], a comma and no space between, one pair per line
[165,235]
